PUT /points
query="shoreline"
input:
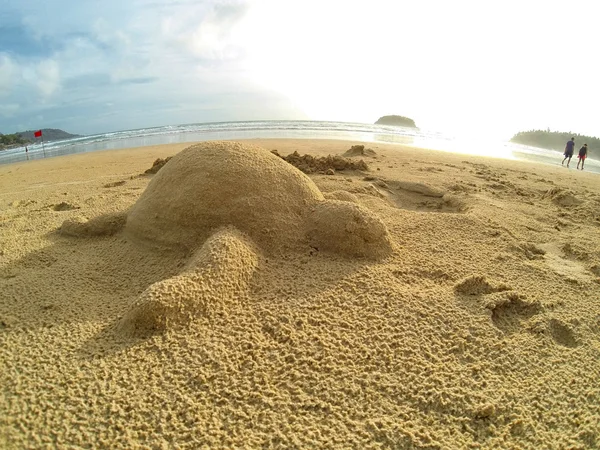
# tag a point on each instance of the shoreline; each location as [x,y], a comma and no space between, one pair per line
[306,142]
[322,147]
[289,130]
[528,158]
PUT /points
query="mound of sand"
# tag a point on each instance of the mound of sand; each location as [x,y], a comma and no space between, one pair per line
[157,165]
[217,275]
[104,225]
[477,285]
[563,197]
[341,195]
[359,150]
[215,184]
[321,164]
[418,188]
[349,229]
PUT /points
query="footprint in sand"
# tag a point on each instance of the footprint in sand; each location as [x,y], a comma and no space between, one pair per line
[562,333]
[575,252]
[562,197]
[114,184]
[22,203]
[529,250]
[64,206]
[508,310]
[568,262]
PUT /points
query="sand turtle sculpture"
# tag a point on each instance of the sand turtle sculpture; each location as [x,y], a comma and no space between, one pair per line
[226,204]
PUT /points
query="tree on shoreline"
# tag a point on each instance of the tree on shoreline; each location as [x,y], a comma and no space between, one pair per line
[400,121]
[553,140]
[12,140]
[28,137]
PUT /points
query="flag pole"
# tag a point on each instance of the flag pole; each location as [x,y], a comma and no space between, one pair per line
[43,148]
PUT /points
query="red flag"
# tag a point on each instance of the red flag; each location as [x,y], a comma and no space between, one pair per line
[37,133]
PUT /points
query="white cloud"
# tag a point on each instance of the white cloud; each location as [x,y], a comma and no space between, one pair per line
[20,80]
[109,35]
[47,77]
[7,74]
[9,109]
[208,35]
[137,64]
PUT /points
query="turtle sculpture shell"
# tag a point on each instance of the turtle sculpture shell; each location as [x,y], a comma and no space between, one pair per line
[215,184]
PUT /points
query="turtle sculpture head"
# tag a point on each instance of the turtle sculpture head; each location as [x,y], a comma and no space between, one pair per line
[217,184]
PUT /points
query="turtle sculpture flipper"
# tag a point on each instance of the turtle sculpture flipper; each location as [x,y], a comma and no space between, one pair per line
[218,274]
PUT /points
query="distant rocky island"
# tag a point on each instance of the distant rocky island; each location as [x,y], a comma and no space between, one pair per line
[27,137]
[398,121]
[554,140]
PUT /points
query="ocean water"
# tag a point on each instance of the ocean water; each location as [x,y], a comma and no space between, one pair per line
[287,129]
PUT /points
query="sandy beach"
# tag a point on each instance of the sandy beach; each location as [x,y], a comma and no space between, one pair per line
[478,328]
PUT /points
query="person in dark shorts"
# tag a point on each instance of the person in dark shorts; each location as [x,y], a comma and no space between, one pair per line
[582,155]
[569,149]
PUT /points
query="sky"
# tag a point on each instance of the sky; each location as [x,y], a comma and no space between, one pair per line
[463,67]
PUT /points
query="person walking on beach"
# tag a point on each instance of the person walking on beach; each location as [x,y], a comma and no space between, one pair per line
[569,149]
[27,153]
[582,155]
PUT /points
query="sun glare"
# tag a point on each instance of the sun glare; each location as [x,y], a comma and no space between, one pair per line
[332,66]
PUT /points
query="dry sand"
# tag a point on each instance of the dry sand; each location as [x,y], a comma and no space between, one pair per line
[480,330]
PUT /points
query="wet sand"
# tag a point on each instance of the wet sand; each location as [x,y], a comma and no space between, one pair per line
[480,330]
